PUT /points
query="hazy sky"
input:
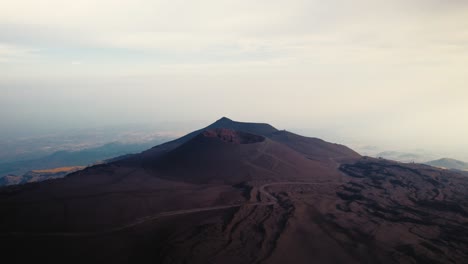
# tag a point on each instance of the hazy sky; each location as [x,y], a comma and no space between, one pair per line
[390,73]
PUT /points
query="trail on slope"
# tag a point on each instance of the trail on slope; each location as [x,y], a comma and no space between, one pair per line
[270,200]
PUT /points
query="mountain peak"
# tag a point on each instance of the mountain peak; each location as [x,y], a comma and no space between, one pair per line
[225,119]
[254,128]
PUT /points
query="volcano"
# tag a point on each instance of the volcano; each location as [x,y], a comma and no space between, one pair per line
[236,192]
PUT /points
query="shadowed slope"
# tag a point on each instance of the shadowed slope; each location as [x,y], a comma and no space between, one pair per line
[315,148]
[115,193]
[228,156]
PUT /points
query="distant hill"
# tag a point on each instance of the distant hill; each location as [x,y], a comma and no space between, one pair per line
[447,163]
[405,156]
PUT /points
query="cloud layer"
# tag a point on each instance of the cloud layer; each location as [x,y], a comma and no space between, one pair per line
[389,72]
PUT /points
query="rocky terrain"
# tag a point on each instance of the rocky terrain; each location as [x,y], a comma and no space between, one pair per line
[238,192]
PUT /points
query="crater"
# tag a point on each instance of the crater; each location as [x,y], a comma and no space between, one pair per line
[232,136]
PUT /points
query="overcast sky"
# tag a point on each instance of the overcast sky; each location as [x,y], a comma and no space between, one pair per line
[389,73]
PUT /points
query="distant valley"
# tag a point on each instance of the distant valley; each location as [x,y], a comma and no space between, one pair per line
[38,175]
[422,157]
[16,170]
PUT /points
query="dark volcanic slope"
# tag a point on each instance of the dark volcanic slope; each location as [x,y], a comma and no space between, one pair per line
[203,171]
[420,213]
[243,193]
[314,148]
[228,156]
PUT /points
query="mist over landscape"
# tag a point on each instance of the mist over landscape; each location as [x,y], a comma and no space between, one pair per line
[234,131]
[385,73]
